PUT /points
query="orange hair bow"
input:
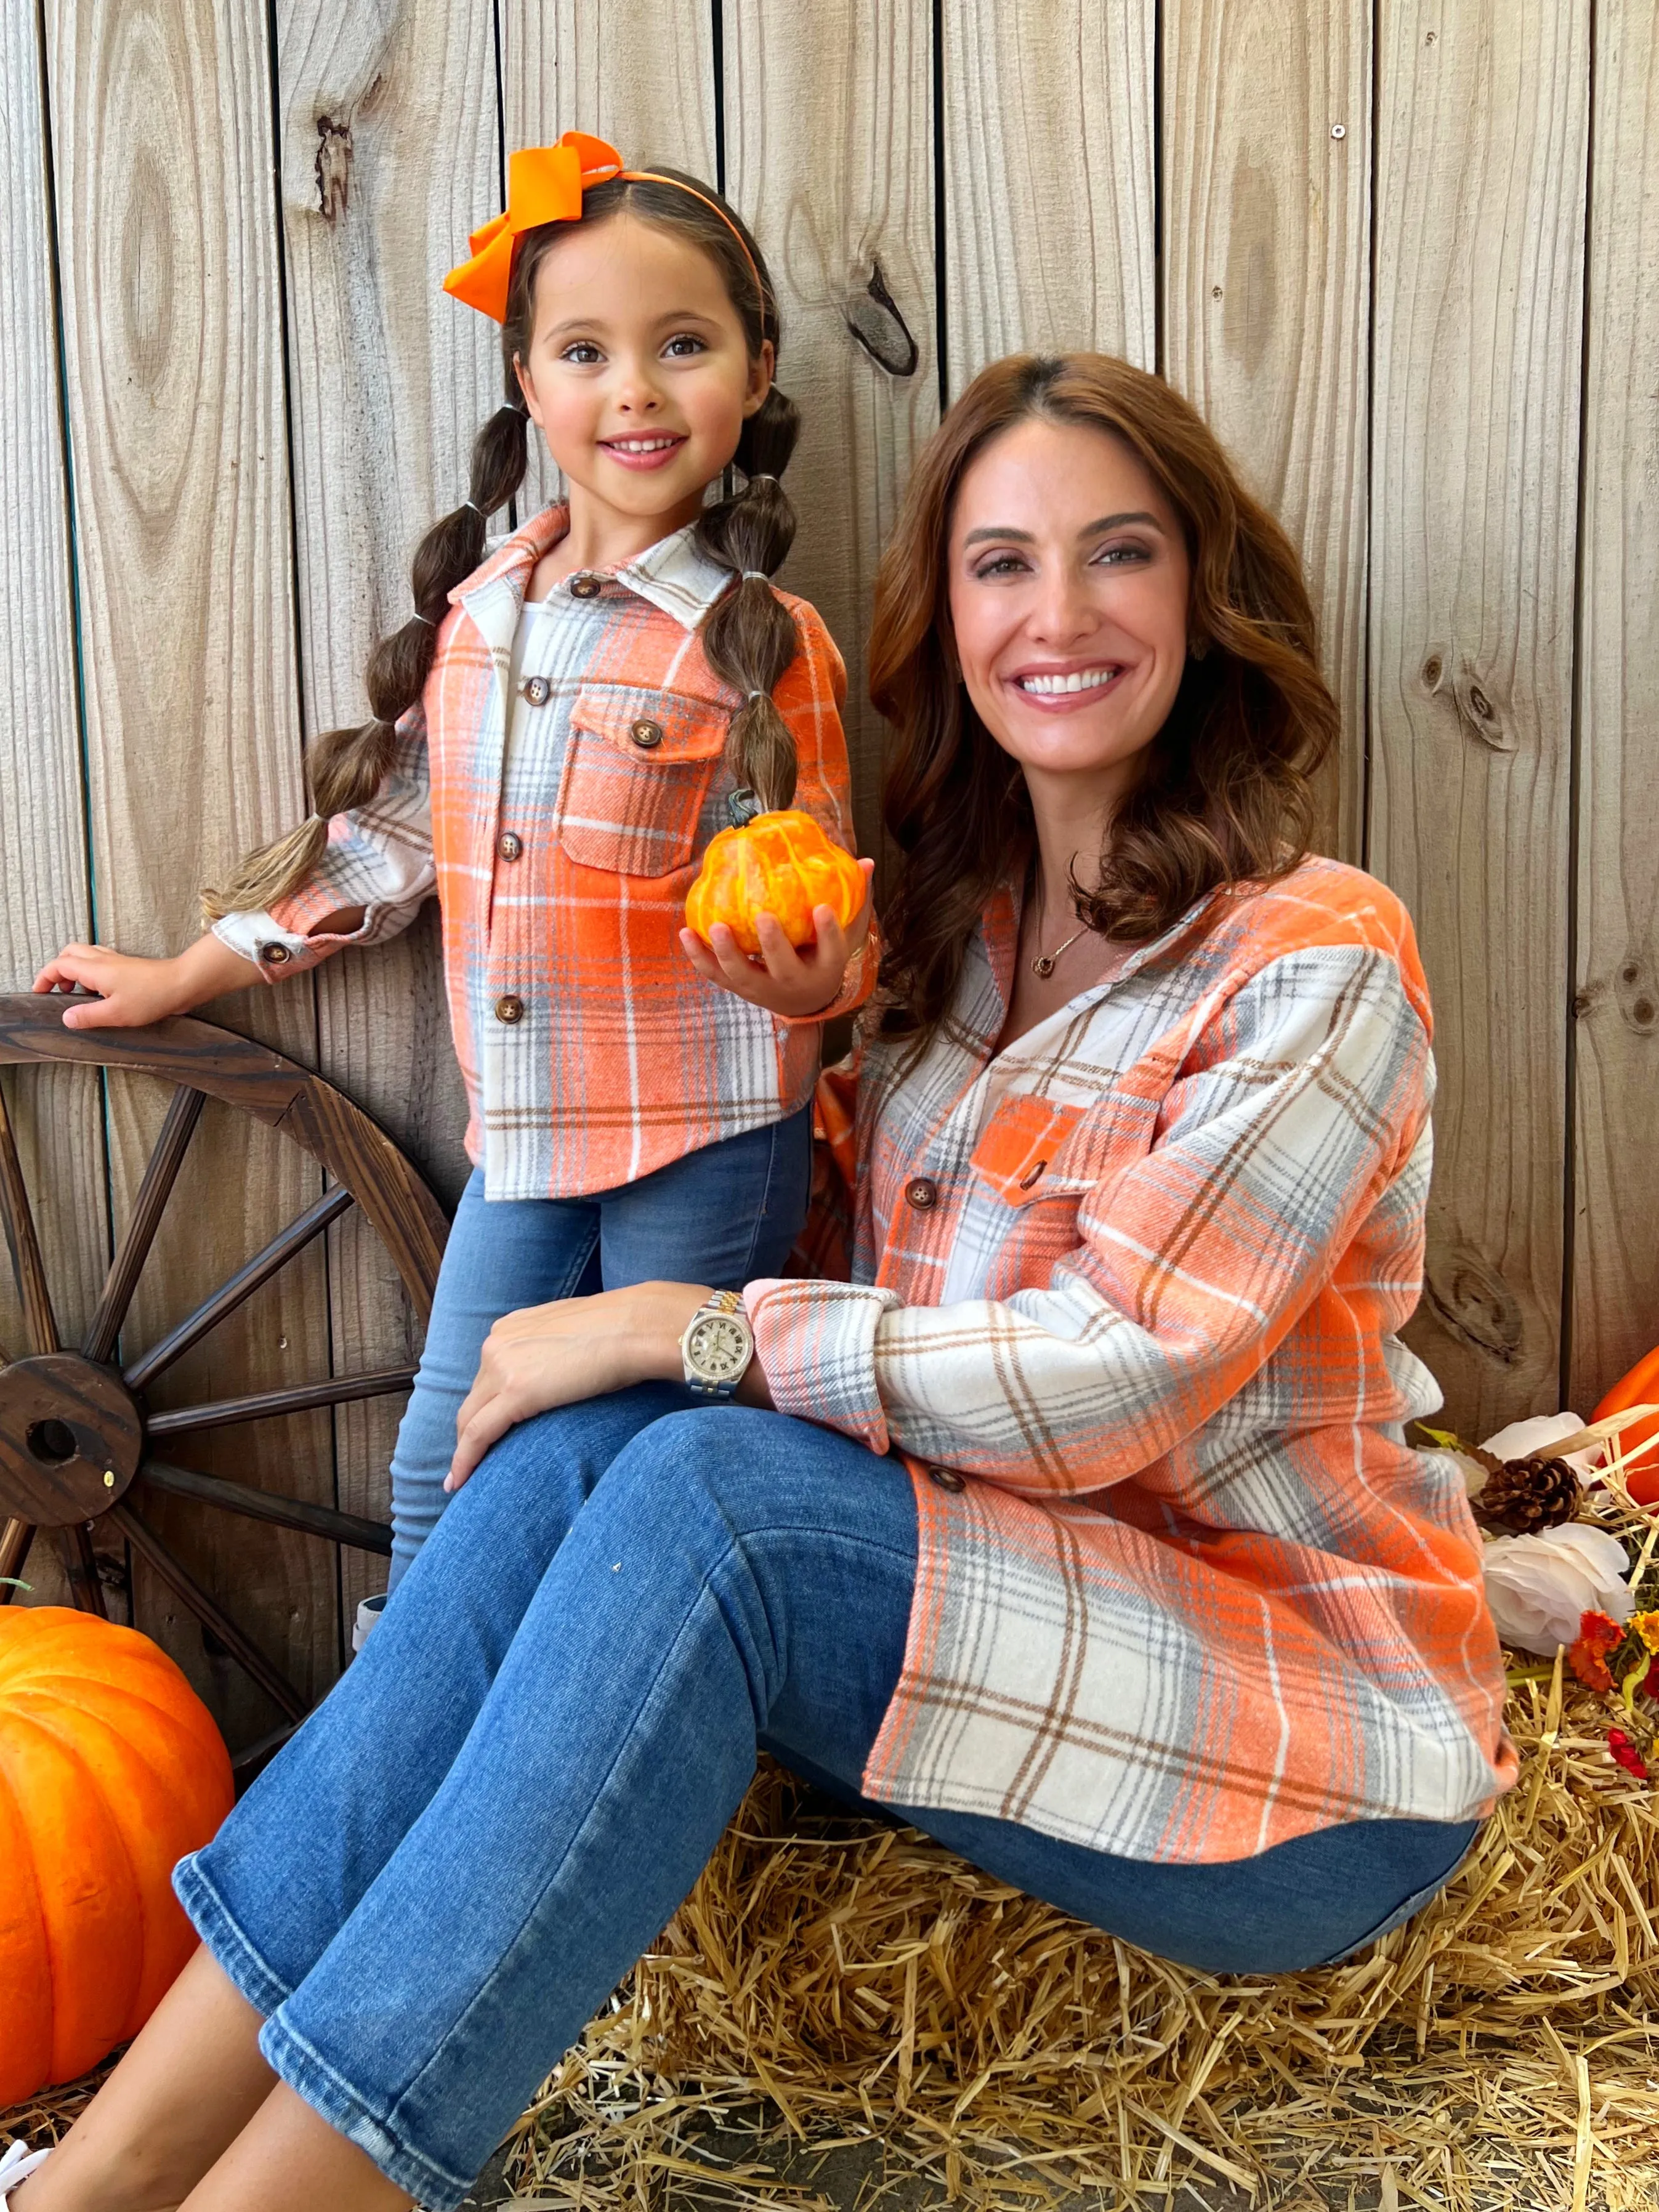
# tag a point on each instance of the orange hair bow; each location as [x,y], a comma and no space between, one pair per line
[544,184]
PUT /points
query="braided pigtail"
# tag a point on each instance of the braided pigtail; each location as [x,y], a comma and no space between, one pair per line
[750,635]
[344,768]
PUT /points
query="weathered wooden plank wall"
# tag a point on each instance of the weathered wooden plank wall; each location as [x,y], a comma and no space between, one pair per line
[1412,283]
[1482,161]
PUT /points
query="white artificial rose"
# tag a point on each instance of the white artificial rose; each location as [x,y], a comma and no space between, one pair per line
[1539,1586]
[1525,1439]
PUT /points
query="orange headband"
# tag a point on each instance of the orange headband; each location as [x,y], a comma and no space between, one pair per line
[545,183]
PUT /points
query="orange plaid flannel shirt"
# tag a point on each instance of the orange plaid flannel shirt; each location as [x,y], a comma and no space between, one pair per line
[562,843]
[1125,1299]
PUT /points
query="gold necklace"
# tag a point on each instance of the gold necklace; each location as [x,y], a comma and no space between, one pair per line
[1043,965]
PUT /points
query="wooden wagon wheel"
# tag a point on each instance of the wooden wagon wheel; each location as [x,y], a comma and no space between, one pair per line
[77,1439]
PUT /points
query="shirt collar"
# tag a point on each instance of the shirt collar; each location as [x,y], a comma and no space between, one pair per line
[999,932]
[677,576]
[673,575]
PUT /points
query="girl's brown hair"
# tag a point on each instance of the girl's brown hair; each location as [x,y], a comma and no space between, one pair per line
[750,635]
[1226,793]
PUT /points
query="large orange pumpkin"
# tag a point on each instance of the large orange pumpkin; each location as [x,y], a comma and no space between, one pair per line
[780,863]
[1639,1388]
[110,1769]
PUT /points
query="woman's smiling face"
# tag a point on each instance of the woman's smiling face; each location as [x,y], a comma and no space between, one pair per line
[1068,594]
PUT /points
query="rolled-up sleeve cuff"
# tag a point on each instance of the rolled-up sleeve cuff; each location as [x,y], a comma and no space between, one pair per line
[816,1344]
[276,951]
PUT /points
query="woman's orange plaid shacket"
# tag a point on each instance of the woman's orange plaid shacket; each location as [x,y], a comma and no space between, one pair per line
[1124,1298]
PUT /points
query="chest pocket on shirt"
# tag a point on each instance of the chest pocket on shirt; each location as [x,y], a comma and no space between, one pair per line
[638,767]
[1022,1152]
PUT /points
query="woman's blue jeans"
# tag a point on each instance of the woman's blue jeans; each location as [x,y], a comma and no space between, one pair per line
[444,1875]
[721,1215]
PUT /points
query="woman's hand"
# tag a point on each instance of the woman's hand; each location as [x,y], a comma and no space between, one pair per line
[133,991]
[783,980]
[575,1348]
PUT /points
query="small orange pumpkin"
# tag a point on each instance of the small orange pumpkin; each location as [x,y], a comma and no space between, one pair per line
[110,1769]
[1639,1388]
[781,864]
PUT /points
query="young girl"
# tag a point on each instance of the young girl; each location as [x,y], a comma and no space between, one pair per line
[556,736]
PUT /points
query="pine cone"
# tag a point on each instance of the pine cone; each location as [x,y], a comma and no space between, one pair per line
[1526,1495]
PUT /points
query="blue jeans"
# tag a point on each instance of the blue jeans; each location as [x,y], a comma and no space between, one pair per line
[447,1871]
[720,1216]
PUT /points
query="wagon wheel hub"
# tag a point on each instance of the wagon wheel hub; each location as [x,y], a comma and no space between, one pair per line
[70,1439]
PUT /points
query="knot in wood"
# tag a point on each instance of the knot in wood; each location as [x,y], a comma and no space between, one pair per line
[333,166]
[1479,716]
[873,316]
[1637,991]
[1475,1303]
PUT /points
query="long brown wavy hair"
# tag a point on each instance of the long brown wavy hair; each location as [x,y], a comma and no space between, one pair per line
[1225,795]
[750,635]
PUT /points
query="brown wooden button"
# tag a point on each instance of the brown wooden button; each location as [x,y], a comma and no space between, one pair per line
[536,690]
[275,956]
[922,1193]
[946,1478]
[509,1009]
[510,845]
[647,736]
[585,588]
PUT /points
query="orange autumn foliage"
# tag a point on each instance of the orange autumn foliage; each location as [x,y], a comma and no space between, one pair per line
[110,1769]
[781,864]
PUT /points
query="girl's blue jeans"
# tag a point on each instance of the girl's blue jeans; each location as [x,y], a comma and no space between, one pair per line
[444,1875]
[721,1216]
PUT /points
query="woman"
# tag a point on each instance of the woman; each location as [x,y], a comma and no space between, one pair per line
[1077,1525]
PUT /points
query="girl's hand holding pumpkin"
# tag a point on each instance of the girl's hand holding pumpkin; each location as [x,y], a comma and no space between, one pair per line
[776,913]
[786,981]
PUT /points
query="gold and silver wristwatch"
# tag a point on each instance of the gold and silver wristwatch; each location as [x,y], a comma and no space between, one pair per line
[717,1346]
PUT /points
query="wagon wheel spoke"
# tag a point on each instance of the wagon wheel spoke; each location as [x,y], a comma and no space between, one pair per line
[16,1538]
[185,1587]
[27,1263]
[161,1173]
[81,1569]
[241,1286]
[260,1506]
[251,1754]
[335,1390]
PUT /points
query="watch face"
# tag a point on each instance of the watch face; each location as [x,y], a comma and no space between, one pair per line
[719,1347]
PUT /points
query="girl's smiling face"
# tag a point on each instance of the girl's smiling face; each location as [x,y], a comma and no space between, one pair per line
[638,374]
[1069,584]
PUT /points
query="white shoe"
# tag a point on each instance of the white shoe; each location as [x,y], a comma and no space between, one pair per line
[17,2162]
[369,1612]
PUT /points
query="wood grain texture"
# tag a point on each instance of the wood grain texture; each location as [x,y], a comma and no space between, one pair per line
[1616,1316]
[172,348]
[1483,113]
[640,73]
[843,211]
[1266,283]
[1049,182]
[42,865]
[389,157]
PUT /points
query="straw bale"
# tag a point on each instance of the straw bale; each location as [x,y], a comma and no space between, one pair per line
[832,1980]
